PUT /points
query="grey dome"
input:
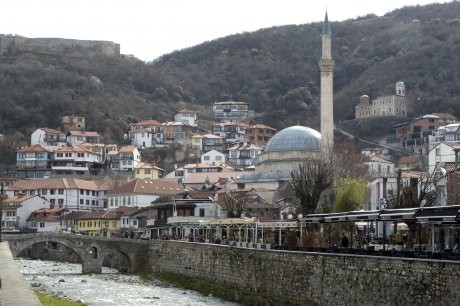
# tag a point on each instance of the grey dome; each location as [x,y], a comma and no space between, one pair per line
[295,138]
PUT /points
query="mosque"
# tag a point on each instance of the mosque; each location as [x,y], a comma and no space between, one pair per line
[298,144]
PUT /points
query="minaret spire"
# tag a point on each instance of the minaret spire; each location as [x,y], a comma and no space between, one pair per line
[326,65]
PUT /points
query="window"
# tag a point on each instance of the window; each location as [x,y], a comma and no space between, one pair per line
[82,191]
[148,171]
[52,201]
[202,212]
[93,193]
[52,191]
[80,154]
[87,192]
[33,224]
[44,191]
[60,201]
[87,202]
[61,191]
[207,157]
[42,224]
[438,152]
[81,201]
[93,202]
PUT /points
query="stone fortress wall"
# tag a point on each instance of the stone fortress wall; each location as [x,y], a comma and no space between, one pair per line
[15,44]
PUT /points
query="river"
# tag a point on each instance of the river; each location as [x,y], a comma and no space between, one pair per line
[109,288]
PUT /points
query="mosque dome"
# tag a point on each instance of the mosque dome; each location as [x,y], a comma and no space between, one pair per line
[295,138]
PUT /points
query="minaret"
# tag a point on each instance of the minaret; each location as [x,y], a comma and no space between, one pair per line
[326,65]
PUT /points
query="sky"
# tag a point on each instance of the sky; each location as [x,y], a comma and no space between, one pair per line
[148,29]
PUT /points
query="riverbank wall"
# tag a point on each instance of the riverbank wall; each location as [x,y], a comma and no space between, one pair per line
[321,278]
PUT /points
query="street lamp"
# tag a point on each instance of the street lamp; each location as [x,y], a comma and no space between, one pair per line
[1,210]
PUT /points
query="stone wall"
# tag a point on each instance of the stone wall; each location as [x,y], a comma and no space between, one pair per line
[327,279]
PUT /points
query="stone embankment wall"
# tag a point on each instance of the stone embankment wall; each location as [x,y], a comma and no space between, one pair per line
[327,279]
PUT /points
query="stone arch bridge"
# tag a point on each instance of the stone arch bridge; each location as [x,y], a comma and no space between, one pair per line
[91,250]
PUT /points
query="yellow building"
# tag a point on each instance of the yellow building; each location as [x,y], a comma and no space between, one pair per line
[146,171]
[100,223]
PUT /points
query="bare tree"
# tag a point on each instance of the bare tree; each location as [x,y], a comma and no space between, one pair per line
[310,180]
[234,204]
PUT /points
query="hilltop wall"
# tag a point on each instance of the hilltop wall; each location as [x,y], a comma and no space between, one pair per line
[326,279]
[15,44]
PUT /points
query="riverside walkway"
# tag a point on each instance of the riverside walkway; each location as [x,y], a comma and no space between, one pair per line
[14,290]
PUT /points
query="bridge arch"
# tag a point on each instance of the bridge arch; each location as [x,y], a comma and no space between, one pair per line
[18,246]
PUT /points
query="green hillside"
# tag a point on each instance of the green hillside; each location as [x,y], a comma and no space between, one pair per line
[275,70]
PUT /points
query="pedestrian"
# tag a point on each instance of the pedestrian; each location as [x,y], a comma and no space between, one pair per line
[345,241]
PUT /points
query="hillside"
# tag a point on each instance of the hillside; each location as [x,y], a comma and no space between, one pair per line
[275,70]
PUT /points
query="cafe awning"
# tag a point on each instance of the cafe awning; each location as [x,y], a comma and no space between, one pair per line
[440,214]
[406,214]
[363,215]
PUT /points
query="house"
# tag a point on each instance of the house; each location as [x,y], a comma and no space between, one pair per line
[79,137]
[140,193]
[45,219]
[187,116]
[177,132]
[413,162]
[141,138]
[100,149]
[69,221]
[213,157]
[244,154]
[207,142]
[47,137]
[206,180]
[380,166]
[129,224]
[231,131]
[153,126]
[73,123]
[260,134]
[33,162]
[414,135]
[232,110]
[75,160]
[205,168]
[17,208]
[445,133]
[148,171]
[128,157]
[444,152]
[73,194]
[104,223]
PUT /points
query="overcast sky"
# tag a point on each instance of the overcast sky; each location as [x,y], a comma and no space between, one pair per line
[150,28]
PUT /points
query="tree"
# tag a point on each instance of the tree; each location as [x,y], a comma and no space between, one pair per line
[350,194]
[234,204]
[310,180]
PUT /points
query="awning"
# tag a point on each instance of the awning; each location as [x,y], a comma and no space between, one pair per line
[441,214]
[371,215]
[336,217]
[407,214]
[313,218]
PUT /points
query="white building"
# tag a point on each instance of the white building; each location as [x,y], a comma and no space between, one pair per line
[213,157]
[79,137]
[75,160]
[141,193]
[380,166]
[186,116]
[45,219]
[17,208]
[244,154]
[444,152]
[141,138]
[73,194]
[51,138]
[393,105]
[129,157]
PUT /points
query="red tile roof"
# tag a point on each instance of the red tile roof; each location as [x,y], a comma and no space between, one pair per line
[148,122]
[127,149]
[35,148]
[53,184]
[51,131]
[154,187]
[84,133]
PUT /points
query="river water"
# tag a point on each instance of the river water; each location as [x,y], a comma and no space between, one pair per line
[109,288]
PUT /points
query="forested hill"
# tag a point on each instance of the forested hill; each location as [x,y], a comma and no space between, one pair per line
[275,70]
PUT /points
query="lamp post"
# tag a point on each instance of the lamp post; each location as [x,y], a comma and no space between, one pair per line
[1,210]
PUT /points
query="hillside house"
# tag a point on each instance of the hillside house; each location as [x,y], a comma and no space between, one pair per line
[33,162]
[146,171]
[231,131]
[260,134]
[444,152]
[213,157]
[47,137]
[413,162]
[45,219]
[75,160]
[73,123]
[207,142]
[187,116]
[177,132]
[232,110]
[104,223]
[244,154]
[141,138]
[78,137]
